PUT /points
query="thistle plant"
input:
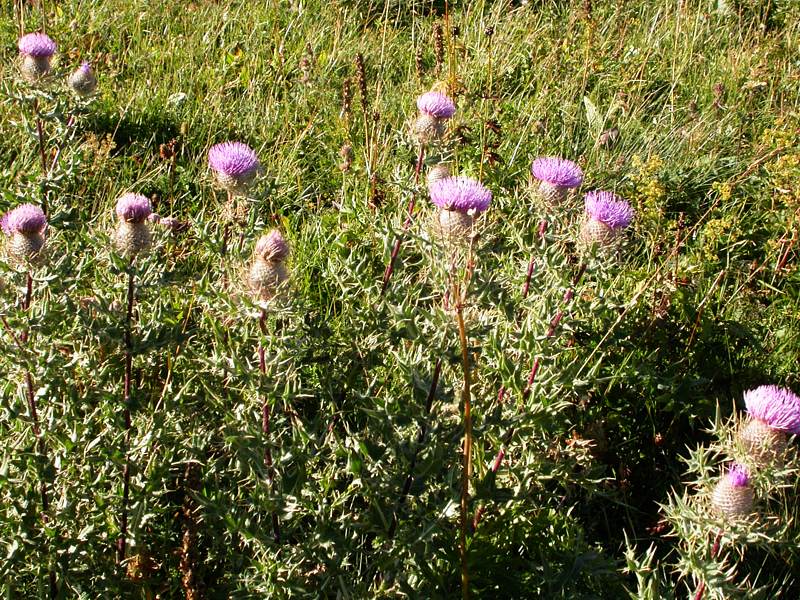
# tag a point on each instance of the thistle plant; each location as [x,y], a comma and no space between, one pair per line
[723,524]
[556,177]
[36,53]
[132,239]
[267,274]
[605,219]
[459,200]
[773,414]
[235,166]
[435,109]
[268,267]
[24,229]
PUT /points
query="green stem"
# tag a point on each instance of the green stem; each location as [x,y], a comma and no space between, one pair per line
[467,470]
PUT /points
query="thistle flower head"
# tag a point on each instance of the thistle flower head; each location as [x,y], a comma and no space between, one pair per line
[233,159]
[85,68]
[777,407]
[36,44]
[557,171]
[738,476]
[436,104]
[26,219]
[460,193]
[133,208]
[609,209]
[272,246]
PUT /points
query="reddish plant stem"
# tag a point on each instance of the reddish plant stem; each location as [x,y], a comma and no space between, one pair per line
[265,417]
[126,470]
[532,264]
[498,460]
[387,274]
[423,429]
[531,267]
[714,551]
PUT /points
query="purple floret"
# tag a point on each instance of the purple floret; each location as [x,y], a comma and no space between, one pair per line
[436,104]
[272,246]
[4,224]
[36,44]
[85,68]
[133,208]
[460,193]
[738,475]
[25,219]
[777,407]
[557,171]
[609,209]
[233,159]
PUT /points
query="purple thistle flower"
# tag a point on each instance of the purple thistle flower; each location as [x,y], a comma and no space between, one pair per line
[460,193]
[26,219]
[436,104]
[36,44]
[133,208]
[233,159]
[609,209]
[272,246]
[777,407]
[738,475]
[557,171]
[85,68]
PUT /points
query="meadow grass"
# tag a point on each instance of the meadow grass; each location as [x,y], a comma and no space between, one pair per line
[701,303]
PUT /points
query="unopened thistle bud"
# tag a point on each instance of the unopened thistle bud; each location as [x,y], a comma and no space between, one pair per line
[268,269]
[459,200]
[36,51]
[235,166]
[556,177]
[733,495]
[132,236]
[773,414]
[606,218]
[83,81]
[437,172]
[435,109]
[24,228]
